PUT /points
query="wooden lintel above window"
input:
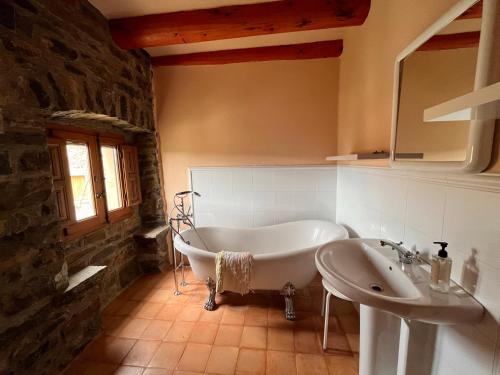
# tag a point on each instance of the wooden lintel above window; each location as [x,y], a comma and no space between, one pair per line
[302,51]
[58,127]
[237,21]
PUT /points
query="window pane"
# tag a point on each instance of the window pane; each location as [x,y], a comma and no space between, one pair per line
[111,177]
[81,180]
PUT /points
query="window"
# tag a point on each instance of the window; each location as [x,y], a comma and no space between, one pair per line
[112,177]
[96,179]
[81,179]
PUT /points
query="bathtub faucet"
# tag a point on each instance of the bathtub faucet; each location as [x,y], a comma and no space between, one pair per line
[178,216]
[182,214]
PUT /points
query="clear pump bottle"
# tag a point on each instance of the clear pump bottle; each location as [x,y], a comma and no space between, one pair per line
[441,269]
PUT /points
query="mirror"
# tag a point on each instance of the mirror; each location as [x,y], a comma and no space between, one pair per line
[441,64]
[441,69]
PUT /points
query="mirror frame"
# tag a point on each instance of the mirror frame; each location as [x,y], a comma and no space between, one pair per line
[480,141]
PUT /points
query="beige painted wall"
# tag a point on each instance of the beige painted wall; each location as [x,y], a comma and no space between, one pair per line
[280,112]
[367,68]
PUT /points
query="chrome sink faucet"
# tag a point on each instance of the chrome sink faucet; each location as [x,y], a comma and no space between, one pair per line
[405,256]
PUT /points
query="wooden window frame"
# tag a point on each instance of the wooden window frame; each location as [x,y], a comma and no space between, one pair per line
[126,210]
[131,176]
[58,138]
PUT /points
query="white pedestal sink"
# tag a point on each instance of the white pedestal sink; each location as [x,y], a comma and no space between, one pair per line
[372,275]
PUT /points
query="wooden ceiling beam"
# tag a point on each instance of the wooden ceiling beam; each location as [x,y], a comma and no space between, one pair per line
[302,51]
[237,21]
[475,11]
[451,41]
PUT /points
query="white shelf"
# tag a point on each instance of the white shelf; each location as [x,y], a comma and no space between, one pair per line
[374,156]
[379,155]
[460,108]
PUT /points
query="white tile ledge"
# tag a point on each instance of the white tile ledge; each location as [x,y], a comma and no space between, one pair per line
[482,182]
[82,276]
[264,166]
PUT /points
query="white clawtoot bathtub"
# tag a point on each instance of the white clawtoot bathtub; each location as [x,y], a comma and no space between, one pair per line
[283,254]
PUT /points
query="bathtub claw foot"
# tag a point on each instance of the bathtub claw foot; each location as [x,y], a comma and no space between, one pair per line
[288,291]
[210,303]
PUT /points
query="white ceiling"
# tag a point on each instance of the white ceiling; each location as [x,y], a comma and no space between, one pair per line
[130,8]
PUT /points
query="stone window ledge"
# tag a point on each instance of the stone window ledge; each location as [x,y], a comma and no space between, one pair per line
[89,274]
[152,233]
[152,248]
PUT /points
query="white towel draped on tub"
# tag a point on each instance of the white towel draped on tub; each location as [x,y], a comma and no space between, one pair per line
[236,266]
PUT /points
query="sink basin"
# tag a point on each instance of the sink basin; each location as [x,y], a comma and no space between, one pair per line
[372,275]
[365,271]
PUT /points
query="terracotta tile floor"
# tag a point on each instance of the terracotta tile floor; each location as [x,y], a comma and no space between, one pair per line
[149,331]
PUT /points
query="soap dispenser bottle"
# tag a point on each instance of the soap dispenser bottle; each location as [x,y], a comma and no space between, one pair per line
[441,269]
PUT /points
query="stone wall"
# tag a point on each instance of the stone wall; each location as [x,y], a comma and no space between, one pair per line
[149,163]
[152,249]
[59,56]
[112,246]
[52,336]
[59,63]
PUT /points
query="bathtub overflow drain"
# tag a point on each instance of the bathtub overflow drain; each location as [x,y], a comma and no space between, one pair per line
[377,287]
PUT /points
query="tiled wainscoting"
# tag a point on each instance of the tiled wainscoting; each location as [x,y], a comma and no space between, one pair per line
[256,196]
[419,209]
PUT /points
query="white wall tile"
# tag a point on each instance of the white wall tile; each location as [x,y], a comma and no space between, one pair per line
[230,218]
[391,193]
[262,179]
[202,204]
[378,204]
[472,222]
[264,200]
[284,201]
[304,200]
[370,223]
[221,200]
[420,211]
[242,179]
[222,181]
[465,350]
[204,219]
[425,208]
[326,200]
[325,215]
[327,179]
[419,240]
[285,216]
[309,180]
[203,181]
[391,228]
[262,219]
[284,180]
[242,200]
[257,196]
